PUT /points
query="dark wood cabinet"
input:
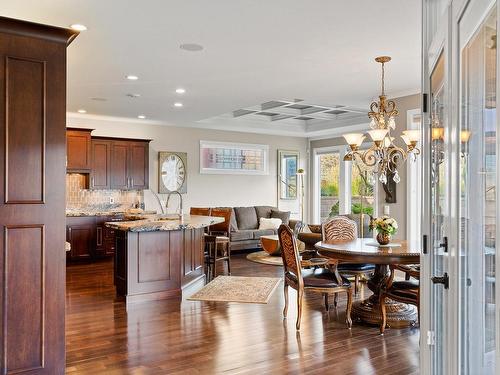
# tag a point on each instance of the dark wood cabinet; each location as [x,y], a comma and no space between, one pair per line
[90,238]
[138,168]
[81,234]
[78,150]
[119,165]
[100,174]
[129,164]
[32,199]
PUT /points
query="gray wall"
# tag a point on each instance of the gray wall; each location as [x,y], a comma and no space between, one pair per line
[204,189]
[398,209]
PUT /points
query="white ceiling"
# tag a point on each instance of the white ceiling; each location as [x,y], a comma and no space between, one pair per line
[320,51]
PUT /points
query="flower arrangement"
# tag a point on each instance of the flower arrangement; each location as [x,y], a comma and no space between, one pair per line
[386,226]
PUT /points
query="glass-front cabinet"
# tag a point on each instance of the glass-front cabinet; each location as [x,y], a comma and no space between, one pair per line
[459,311]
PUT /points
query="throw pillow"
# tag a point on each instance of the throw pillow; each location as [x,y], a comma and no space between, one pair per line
[283,215]
[315,228]
[266,223]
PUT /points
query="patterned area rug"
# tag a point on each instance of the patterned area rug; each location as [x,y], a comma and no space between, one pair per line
[238,289]
[264,258]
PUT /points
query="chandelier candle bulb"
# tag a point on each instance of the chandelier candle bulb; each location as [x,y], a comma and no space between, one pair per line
[464,136]
[437,134]
[378,135]
[354,139]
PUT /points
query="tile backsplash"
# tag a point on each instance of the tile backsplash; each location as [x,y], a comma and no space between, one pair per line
[78,196]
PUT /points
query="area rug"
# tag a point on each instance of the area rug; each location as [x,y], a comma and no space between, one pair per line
[238,289]
[264,258]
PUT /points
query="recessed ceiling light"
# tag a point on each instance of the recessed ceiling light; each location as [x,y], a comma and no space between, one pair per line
[142,117]
[192,47]
[78,27]
[133,95]
[132,77]
[178,104]
[82,111]
[180,90]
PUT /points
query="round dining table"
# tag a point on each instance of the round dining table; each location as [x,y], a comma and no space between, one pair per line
[367,250]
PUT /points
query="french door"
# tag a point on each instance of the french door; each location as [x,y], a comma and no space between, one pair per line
[459,305]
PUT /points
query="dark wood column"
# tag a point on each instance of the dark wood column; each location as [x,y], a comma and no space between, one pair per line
[32,196]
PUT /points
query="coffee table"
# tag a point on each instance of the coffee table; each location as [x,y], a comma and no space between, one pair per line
[271,244]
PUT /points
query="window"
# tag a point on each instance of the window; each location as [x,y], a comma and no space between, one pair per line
[340,187]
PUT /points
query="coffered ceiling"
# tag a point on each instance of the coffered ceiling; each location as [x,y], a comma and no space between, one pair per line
[255,56]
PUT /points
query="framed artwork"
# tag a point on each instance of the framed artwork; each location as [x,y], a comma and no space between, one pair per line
[172,172]
[233,158]
[288,163]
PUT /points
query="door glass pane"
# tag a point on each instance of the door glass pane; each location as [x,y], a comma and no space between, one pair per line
[362,190]
[438,208]
[477,197]
[329,174]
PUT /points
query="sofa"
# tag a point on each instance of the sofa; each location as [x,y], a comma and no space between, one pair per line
[245,232]
[313,235]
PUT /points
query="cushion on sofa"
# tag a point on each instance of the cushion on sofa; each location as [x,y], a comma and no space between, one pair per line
[264,211]
[271,223]
[262,232]
[241,235]
[283,215]
[246,218]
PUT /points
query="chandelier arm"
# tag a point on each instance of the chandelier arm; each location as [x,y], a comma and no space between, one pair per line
[369,157]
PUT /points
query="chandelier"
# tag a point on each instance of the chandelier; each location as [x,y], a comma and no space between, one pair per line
[384,156]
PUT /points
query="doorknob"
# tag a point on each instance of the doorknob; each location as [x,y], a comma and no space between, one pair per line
[445,280]
[444,244]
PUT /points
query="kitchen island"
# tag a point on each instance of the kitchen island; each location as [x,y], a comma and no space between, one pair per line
[159,256]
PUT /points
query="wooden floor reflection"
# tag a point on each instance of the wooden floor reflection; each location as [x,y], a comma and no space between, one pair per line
[187,337]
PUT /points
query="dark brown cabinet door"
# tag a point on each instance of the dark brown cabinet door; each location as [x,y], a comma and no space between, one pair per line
[81,234]
[138,170]
[119,165]
[78,152]
[100,175]
[32,197]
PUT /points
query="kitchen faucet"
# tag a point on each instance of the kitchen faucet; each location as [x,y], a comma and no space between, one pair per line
[180,199]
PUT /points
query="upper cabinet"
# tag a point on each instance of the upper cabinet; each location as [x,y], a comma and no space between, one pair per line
[138,167]
[119,164]
[78,153]
[100,173]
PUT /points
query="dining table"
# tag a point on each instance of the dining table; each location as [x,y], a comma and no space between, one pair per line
[367,250]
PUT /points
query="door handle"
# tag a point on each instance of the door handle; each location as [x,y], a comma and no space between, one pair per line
[445,280]
[444,244]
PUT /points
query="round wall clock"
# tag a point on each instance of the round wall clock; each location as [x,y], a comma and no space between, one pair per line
[172,172]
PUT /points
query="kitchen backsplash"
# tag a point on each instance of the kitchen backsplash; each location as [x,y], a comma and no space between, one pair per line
[77,196]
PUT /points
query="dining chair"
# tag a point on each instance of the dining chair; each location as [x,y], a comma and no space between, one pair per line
[343,229]
[217,242]
[406,291]
[319,280]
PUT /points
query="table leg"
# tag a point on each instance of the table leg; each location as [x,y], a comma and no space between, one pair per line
[399,315]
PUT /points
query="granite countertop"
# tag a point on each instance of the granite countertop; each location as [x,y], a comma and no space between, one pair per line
[105,212]
[152,223]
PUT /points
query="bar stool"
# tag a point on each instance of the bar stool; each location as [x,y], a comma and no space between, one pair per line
[203,211]
[217,242]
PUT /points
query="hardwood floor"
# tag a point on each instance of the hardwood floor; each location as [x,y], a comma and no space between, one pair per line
[186,337]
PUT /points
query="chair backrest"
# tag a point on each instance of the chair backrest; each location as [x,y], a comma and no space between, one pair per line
[223,227]
[203,211]
[289,251]
[339,229]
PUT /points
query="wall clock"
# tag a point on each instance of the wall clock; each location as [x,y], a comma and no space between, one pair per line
[172,173]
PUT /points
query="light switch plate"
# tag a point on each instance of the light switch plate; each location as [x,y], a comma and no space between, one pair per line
[111,200]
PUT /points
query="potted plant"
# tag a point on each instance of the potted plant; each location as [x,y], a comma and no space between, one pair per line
[385,226]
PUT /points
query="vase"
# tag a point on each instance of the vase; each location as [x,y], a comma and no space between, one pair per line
[383,238]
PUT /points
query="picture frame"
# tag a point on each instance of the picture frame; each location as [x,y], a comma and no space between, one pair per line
[233,158]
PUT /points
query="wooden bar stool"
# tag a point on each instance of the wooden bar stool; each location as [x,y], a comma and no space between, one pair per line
[217,242]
